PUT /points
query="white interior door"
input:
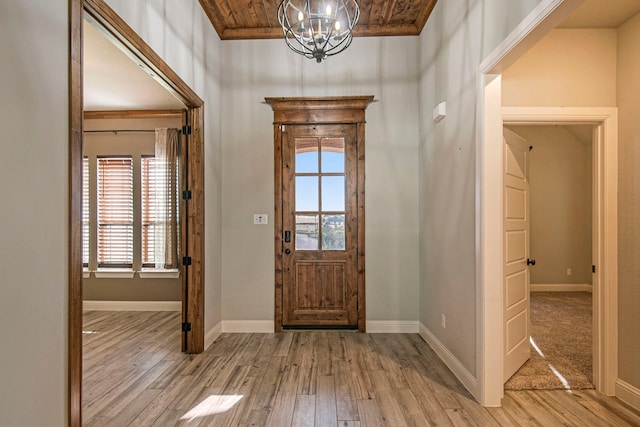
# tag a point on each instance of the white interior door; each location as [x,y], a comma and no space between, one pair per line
[516,253]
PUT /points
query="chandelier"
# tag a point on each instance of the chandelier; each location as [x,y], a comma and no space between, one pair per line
[318,28]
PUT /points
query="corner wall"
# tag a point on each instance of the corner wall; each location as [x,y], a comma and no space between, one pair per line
[457,37]
[628,94]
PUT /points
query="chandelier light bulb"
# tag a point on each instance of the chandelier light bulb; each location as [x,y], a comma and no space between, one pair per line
[328,9]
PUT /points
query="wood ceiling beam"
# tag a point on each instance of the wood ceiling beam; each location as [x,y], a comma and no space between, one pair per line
[386,30]
[252,33]
[359,31]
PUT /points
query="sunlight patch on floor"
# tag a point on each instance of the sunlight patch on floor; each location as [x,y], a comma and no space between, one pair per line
[562,379]
[214,404]
[535,346]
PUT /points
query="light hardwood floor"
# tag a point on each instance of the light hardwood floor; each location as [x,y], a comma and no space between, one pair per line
[135,374]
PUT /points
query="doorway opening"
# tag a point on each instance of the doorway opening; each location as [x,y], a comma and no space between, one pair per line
[544,18]
[604,220]
[559,217]
[192,225]
[604,122]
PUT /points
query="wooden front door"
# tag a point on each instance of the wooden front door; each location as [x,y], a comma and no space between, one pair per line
[320,226]
[319,212]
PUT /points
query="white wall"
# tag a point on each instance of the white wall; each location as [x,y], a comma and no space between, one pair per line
[185,39]
[33,221]
[457,37]
[569,67]
[629,200]
[383,67]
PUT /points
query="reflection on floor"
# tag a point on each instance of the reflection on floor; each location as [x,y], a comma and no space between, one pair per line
[561,343]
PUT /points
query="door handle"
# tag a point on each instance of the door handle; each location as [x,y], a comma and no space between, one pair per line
[287,251]
[531,261]
[287,236]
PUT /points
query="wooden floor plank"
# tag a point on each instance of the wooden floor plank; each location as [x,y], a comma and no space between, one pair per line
[512,414]
[326,412]
[136,375]
[390,408]
[346,405]
[285,398]
[304,412]
[419,385]
[163,400]
[609,417]
[567,407]
[264,396]
[370,414]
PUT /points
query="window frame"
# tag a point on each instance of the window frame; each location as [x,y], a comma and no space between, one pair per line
[145,263]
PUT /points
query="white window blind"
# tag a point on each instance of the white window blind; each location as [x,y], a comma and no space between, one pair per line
[115,212]
[149,221]
[85,211]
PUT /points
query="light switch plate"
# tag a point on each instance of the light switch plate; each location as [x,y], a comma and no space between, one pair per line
[260,219]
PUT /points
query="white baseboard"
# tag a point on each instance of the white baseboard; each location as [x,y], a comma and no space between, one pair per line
[132,305]
[628,394]
[212,335]
[458,369]
[248,326]
[561,287]
[392,327]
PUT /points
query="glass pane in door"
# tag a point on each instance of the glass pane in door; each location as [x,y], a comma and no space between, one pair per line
[333,193]
[306,193]
[333,155]
[333,232]
[307,228]
[306,155]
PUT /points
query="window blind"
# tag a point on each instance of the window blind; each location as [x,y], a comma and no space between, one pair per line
[115,212]
[149,221]
[85,211]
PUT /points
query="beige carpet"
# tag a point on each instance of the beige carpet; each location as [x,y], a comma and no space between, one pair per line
[561,328]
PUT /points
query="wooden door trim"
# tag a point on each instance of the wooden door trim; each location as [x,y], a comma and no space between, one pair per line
[317,110]
[362,318]
[131,44]
[133,114]
[74,330]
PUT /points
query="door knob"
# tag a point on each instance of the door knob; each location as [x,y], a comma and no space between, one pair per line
[531,261]
[287,251]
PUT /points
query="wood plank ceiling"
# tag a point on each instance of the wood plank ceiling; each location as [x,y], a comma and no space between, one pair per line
[257,19]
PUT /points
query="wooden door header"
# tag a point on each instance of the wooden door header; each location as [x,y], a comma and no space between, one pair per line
[333,109]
